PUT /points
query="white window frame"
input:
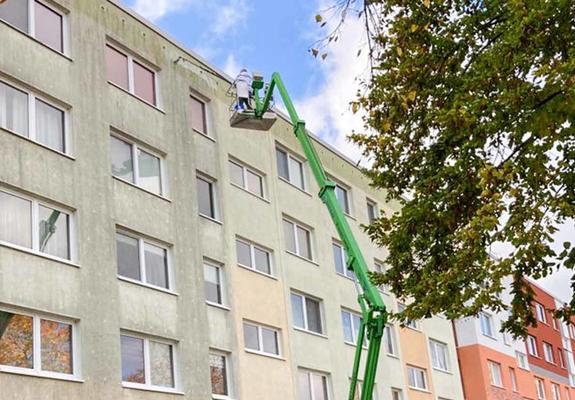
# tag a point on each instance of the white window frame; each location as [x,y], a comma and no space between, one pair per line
[389,334]
[555,391]
[411,324]
[297,252]
[540,312]
[36,369]
[561,356]
[379,267]
[134,147]
[214,196]
[260,340]
[344,256]
[532,346]
[373,204]
[32,97]
[253,246]
[35,223]
[222,281]
[131,82]
[204,101]
[483,316]
[353,330]
[305,298]
[147,369]
[347,190]
[141,255]
[359,390]
[423,374]
[495,376]
[310,374]
[522,360]
[229,374]
[540,388]
[548,352]
[291,156]
[245,168]
[396,392]
[434,346]
[513,378]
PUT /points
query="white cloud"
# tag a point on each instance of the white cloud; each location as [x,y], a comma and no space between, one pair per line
[156,9]
[229,17]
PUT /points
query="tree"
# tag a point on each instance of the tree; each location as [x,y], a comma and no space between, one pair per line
[470,127]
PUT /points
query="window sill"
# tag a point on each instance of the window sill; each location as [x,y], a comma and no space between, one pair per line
[38,254]
[444,371]
[489,336]
[345,276]
[159,196]
[419,389]
[147,285]
[295,186]
[354,345]
[412,328]
[221,397]
[26,138]
[251,193]
[39,374]
[217,305]
[155,107]
[393,356]
[496,386]
[217,221]
[139,386]
[205,135]
[257,271]
[303,258]
[321,335]
[261,353]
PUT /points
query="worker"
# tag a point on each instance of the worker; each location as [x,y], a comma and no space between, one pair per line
[243,88]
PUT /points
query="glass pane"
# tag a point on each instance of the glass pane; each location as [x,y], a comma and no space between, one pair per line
[122,164]
[303,386]
[16,340]
[296,173]
[56,347]
[13,106]
[149,172]
[255,184]
[313,315]
[289,236]
[218,374]
[371,212]
[205,199]
[212,284]
[237,174]
[161,364]
[303,242]
[132,359]
[128,257]
[48,27]
[356,323]
[270,343]
[144,83]
[341,195]
[282,164]
[251,340]
[198,116]
[15,12]
[15,220]
[319,383]
[50,126]
[156,265]
[297,311]
[117,67]
[262,260]
[243,253]
[338,258]
[347,329]
[54,232]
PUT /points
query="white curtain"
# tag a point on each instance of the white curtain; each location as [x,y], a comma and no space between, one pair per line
[15,220]
[49,126]
[13,109]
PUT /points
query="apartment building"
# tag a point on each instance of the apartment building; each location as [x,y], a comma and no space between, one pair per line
[495,366]
[148,250]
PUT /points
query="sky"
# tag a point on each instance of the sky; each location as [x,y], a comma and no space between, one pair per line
[273,35]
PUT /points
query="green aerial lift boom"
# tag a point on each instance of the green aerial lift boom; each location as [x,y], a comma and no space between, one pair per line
[374,314]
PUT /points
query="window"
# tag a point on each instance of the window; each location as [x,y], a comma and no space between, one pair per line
[253,256]
[27,115]
[567,393]
[290,168]
[312,386]
[540,311]
[561,357]
[372,212]
[555,323]
[540,387]
[199,120]
[142,261]
[206,197]
[359,391]
[133,164]
[486,324]
[439,355]
[417,378]
[513,379]
[306,313]
[213,281]
[521,360]
[548,352]
[351,323]
[147,363]
[396,394]
[131,75]
[298,239]
[532,346]
[572,331]
[220,374]
[506,338]
[389,340]
[340,260]
[28,223]
[409,323]
[342,195]
[32,344]
[37,19]
[555,392]
[379,268]
[260,339]
[495,373]
[247,179]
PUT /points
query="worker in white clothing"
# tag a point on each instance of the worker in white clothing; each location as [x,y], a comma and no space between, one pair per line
[243,87]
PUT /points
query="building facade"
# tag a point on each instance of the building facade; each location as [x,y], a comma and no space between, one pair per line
[148,250]
[495,366]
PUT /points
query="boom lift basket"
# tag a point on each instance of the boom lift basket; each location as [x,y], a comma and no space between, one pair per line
[248,120]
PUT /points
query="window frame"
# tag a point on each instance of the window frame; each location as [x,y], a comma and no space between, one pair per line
[391,329]
[344,256]
[433,346]
[347,190]
[522,361]
[300,160]
[134,148]
[245,168]
[253,246]
[425,387]
[373,204]
[325,378]
[353,330]
[212,182]
[305,328]
[411,324]
[548,352]
[379,267]
[260,350]
[147,370]
[396,392]
[297,251]
[513,379]
[541,313]
[142,241]
[532,346]
[204,102]
[222,283]
[36,369]
[495,366]
[540,385]
[483,316]
[555,391]
[131,59]
[229,374]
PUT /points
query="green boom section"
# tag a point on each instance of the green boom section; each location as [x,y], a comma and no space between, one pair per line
[374,314]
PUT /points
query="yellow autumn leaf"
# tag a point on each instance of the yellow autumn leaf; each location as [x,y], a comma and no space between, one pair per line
[354,107]
[413,28]
[411,95]
[427,3]
[399,51]
[318,18]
